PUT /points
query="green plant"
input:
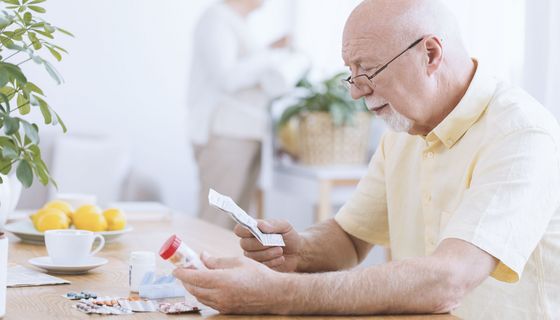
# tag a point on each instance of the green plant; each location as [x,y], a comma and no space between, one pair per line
[327,96]
[24,36]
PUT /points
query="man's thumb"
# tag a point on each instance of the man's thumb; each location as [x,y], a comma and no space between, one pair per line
[274,226]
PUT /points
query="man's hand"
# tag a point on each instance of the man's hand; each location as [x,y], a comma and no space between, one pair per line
[234,285]
[284,259]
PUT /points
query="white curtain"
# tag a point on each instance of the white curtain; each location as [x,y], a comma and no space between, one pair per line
[542,49]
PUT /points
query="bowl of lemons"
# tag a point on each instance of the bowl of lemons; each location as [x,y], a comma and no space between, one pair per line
[111,223]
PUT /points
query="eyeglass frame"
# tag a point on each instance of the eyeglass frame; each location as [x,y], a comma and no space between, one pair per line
[350,80]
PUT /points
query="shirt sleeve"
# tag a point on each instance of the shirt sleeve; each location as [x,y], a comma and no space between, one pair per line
[511,199]
[365,214]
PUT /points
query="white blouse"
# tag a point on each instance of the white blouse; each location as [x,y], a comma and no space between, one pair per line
[225,97]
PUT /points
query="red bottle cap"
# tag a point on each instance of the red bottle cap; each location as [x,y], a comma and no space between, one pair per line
[170,247]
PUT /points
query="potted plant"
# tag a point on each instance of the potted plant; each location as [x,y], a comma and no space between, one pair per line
[24,38]
[325,126]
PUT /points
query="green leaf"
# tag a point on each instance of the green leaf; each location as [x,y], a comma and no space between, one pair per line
[7,42]
[5,166]
[37,1]
[66,32]
[14,71]
[60,49]
[52,72]
[34,40]
[49,28]
[27,17]
[9,151]
[55,53]
[44,33]
[6,100]
[37,9]
[4,78]
[41,171]
[59,119]
[33,88]
[14,2]
[45,110]
[11,125]
[23,105]
[8,91]
[31,131]
[24,173]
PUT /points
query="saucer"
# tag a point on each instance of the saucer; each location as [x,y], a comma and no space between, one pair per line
[47,264]
[25,230]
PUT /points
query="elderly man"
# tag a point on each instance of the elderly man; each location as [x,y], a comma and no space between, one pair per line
[465,190]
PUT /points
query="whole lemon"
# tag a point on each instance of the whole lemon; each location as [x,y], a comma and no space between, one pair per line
[35,217]
[54,219]
[116,219]
[62,205]
[89,217]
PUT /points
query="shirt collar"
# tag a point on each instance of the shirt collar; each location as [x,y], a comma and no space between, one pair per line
[467,112]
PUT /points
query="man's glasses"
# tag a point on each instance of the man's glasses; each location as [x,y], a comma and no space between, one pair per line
[348,82]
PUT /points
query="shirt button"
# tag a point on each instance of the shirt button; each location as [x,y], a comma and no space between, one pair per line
[429,155]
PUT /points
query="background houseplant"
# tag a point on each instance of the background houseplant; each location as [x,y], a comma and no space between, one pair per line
[325,126]
[24,38]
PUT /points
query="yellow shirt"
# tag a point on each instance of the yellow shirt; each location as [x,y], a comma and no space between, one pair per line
[488,174]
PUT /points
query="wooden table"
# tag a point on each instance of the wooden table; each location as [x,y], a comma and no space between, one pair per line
[112,279]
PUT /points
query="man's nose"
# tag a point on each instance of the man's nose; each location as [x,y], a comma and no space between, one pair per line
[358,91]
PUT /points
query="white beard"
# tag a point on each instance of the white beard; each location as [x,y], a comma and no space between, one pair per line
[396,121]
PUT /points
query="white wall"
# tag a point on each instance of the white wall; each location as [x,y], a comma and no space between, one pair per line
[126,77]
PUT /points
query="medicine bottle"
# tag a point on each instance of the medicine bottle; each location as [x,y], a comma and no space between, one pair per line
[140,263]
[178,253]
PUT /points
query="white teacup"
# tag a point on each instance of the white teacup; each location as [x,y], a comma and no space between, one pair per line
[71,247]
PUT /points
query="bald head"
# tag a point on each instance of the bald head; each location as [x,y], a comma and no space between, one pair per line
[398,22]
[427,80]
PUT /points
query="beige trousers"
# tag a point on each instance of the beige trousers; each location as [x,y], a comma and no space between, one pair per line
[231,167]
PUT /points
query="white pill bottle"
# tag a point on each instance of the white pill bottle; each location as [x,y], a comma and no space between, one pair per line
[140,263]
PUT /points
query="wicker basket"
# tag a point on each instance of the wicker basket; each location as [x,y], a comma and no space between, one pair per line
[323,143]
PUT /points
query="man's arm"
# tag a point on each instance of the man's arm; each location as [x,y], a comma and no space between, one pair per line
[327,247]
[323,247]
[433,284]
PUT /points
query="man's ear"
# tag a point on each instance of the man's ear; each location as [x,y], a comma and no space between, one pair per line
[434,53]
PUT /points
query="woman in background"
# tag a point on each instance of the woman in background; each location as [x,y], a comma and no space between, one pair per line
[227,107]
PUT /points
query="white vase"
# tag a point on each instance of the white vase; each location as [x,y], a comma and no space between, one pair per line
[10,190]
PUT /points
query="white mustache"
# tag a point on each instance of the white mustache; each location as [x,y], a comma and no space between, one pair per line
[372,104]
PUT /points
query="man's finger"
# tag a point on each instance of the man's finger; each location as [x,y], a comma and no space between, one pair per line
[203,295]
[265,255]
[251,244]
[242,232]
[274,226]
[197,278]
[220,263]
[275,262]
